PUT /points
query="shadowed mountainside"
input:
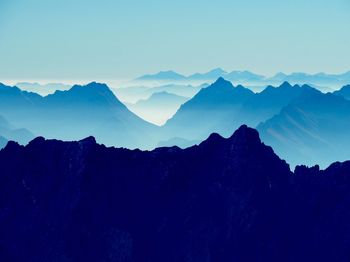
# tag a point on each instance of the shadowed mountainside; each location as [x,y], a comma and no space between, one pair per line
[224,200]
[8,132]
[312,129]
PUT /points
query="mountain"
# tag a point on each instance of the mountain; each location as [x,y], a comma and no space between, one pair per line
[210,109]
[8,132]
[224,200]
[158,108]
[321,79]
[77,113]
[269,102]
[162,76]
[311,129]
[344,92]
[237,76]
[244,77]
[212,74]
[135,93]
[42,89]
[222,108]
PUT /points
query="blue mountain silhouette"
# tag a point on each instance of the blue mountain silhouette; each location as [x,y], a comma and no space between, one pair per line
[79,112]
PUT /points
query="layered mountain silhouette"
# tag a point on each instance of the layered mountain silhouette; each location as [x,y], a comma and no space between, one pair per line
[77,113]
[224,200]
[311,129]
[239,76]
[302,124]
[322,80]
[319,78]
[159,107]
[162,76]
[135,93]
[8,132]
[222,108]
[211,109]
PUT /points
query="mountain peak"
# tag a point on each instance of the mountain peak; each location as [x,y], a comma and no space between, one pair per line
[222,81]
[285,84]
[245,133]
[162,75]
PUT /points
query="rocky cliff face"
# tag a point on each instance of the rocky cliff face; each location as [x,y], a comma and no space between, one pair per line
[224,200]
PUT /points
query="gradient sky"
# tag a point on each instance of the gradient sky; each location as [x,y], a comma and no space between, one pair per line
[73,39]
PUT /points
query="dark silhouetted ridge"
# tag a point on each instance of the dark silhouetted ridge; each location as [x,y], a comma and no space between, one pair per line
[228,199]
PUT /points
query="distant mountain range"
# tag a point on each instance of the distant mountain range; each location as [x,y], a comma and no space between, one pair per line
[42,89]
[311,129]
[223,200]
[79,112]
[322,80]
[208,76]
[302,124]
[159,107]
[133,94]
[8,132]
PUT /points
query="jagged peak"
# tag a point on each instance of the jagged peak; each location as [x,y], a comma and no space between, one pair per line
[245,132]
[222,82]
[285,84]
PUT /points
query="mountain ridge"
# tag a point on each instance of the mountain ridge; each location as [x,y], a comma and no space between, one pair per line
[224,200]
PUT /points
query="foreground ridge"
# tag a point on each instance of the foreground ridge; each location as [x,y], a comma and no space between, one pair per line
[227,199]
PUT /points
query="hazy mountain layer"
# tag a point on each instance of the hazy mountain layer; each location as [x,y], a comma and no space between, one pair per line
[313,129]
[77,113]
[8,132]
[158,108]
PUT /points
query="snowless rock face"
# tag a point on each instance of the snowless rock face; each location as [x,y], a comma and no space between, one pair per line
[224,200]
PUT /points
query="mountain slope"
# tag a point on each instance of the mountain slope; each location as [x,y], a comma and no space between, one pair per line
[208,111]
[222,108]
[312,129]
[344,92]
[8,132]
[224,200]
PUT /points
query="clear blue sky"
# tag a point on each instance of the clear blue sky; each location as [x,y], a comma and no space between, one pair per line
[73,39]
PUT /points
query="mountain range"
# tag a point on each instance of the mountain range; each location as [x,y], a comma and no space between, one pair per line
[77,113]
[8,132]
[132,94]
[294,119]
[42,89]
[244,76]
[302,124]
[321,80]
[224,200]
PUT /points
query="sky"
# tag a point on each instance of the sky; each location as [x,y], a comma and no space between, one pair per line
[105,39]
